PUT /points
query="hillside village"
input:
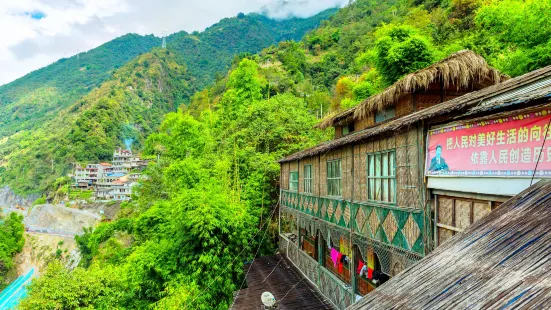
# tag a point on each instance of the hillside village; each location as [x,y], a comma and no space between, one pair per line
[384,154]
[110,181]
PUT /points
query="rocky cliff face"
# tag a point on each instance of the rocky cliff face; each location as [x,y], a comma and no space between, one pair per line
[9,199]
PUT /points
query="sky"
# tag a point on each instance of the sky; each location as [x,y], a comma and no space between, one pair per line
[35,33]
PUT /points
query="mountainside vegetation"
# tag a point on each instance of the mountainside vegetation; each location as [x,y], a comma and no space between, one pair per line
[130,105]
[210,53]
[11,243]
[37,143]
[42,94]
[209,201]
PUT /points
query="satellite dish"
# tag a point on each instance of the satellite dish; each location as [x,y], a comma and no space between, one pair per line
[268,300]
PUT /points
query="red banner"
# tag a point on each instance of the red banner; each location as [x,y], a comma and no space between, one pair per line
[510,146]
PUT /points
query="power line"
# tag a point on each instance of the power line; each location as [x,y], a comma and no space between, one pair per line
[542,146]
[238,255]
[251,266]
[291,289]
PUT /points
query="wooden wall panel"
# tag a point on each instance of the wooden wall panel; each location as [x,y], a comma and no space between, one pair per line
[480,210]
[364,122]
[346,159]
[285,176]
[462,213]
[293,165]
[445,211]
[338,132]
[323,175]
[317,178]
[363,172]
[357,173]
[404,106]
[443,235]
[423,101]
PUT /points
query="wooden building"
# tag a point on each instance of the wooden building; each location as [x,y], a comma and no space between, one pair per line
[364,193]
[501,262]
[385,196]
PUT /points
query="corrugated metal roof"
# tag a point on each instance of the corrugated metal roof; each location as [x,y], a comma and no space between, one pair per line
[519,92]
[501,261]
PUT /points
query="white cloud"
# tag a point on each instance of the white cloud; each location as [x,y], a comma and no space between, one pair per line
[62,28]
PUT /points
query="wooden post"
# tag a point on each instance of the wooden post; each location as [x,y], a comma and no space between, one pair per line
[352,220]
[435,221]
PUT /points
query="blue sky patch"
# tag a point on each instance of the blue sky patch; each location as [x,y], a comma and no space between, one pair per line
[36,14]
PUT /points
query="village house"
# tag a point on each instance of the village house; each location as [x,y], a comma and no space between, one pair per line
[357,210]
[111,181]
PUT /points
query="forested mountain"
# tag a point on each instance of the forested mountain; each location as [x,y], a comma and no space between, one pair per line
[32,106]
[209,201]
[130,105]
[210,52]
[38,96]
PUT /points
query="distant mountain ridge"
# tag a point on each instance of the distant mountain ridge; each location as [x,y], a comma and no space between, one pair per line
[41,94]
[75,109]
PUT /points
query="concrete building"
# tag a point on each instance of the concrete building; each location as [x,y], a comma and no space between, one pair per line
[111,181]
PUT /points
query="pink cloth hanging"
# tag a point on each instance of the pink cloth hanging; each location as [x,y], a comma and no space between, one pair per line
[334,256]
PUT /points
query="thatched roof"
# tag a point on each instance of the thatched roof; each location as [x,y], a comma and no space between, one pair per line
[461,70]
[469,104]
[501,261]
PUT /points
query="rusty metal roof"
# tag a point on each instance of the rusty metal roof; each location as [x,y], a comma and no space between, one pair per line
[275,274]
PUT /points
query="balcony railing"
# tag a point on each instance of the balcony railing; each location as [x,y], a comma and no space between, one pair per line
[397,227]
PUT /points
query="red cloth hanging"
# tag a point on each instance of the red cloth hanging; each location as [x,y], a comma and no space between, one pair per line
[360,266]
[339,264]
[370,273]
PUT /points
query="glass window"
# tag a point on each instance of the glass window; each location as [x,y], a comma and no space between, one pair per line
[334,182]
[346,129]
[381,176]
[293,181]
[308,179]
[389,112]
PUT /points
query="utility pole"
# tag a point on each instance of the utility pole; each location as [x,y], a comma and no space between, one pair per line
[52,165]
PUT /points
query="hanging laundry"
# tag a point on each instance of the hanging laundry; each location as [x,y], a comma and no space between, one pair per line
[369,273]
[360,266]
[343,243]
[328,239]
[339,264]
[344,258]
[370,259]
[334,256]
[381,276]
[363,271]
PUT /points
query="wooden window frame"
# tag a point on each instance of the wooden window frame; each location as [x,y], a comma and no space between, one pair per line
[293,184]
[334,181]
[383,178]
[308,179]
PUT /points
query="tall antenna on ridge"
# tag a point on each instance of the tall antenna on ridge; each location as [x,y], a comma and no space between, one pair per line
[164,39]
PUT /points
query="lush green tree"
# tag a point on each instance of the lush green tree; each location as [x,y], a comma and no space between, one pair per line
[11,242]
[401,51]
[93,288]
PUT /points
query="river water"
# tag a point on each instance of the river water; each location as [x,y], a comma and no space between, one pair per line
[17,290]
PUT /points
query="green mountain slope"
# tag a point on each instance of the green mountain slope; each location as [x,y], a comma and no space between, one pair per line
[211,51]
[40,95]
[130,105]
[211,198]
[36,109]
